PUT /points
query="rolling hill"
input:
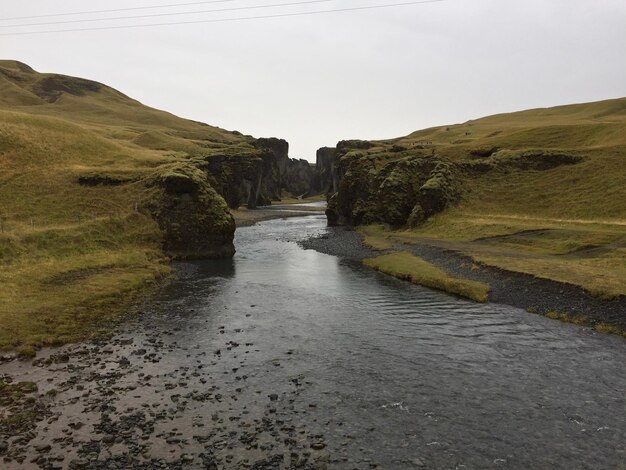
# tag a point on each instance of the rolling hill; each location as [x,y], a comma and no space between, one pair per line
[96,189]
[541,192]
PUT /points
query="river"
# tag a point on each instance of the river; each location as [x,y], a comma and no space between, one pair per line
[289,358]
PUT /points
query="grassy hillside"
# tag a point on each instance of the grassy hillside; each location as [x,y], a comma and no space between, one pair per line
[541,191]
[75,244]
[591,190]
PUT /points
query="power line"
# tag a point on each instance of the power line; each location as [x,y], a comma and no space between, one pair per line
[225,20]
[116,10]
[178,13]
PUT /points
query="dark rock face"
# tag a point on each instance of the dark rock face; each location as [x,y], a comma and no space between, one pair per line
[238,178]
[327,176]
[276,161]
[104,179]
[299,178]
[405,190]
[258,176]
[538,160]
[193,217]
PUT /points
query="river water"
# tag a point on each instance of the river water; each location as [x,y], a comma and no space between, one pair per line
[285,357]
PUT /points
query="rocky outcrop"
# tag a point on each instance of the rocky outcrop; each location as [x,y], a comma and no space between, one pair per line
[400,186]
[258,175]
[327,176]
[190,200]
[300,178]
[194,218]
[407,189]
[239,178]
[276,160]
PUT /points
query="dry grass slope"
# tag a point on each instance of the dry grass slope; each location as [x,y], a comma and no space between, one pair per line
[73,256]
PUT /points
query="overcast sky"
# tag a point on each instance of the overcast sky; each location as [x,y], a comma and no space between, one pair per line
[317,79]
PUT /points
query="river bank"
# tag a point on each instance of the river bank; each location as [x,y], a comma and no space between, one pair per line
[287,358]
[289,208]
[535,295]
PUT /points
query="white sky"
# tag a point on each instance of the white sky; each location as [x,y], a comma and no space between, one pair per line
[314,80]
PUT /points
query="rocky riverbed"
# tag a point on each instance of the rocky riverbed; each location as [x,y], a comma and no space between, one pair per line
[144,400]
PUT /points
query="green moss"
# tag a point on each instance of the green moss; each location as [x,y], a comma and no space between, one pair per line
[194,218]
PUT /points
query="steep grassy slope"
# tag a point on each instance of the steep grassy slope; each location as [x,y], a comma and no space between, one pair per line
[540,191]
[94,188]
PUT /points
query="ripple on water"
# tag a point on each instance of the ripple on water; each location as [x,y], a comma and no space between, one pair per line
[398,372]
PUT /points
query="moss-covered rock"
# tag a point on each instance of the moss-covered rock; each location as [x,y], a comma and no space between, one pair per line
[194,218]
[299,178]
[390,187]
[354,204]
[399,184]
[332,214]
[538,160]
[238,178]
[257,175]
[438,192]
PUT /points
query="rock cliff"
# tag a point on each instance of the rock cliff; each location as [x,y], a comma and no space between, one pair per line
[259,175]
[326,173]
[300,178]
[396,188]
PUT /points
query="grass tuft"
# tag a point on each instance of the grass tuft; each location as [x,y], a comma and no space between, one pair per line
[406,266]
[375,237]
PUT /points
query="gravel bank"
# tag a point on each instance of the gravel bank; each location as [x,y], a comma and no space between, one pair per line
[509,288]
[339,241]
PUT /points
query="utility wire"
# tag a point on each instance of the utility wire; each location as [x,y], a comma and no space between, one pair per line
[226,20]
[178,13]
[116,10]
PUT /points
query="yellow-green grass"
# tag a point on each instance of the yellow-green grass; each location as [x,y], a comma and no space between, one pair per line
[602,276]
[583,320]
[61,283]
[587,125]
[73,257]
[404,265]
[588,254]
[375,237]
